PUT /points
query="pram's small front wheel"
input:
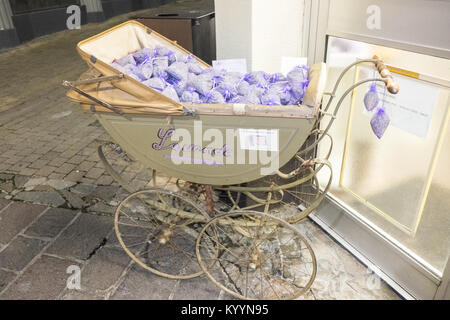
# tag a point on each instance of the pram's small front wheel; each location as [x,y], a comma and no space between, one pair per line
[253,255]
[157,228]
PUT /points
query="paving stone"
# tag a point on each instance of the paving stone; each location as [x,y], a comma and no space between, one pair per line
[38,164]
[5,278]
[27,171]
[57,162]
[35,182]
[55,175]
[7,186]
[86,165]
[46,171]
[76,159]
[140,284]
[34,159]
[101,207]
[227,296]
[75,175]
[83,237]
[83,294]
[104,180]
[50,155]
[44,280]
[104,268]
[4,203]
[60,184]
[87,180]
[105,193]
[20,252]
[19,181]
[200,288]
[65,168]
[16,217]
[51,222]
[42,188]
[84,189]
[135,232]
[94,173]
[50,198]
[6,176]
[73,199]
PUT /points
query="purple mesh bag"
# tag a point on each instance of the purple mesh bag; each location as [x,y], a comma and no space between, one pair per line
[143,56]
[283,90]
[201,83]
[257,90]
[161,51]
[213,96]
[298,80]
[177,71]
[180,87]
[271,99]
[257,77]
[250,98]
[215,75]
[193,65]
[160,65]
[128,59]
[227,89]
[379,122]
[155,83]
[129,69]
[145,71]
[190,96]
[233,76]
[277,77]
[371,98]
[170,92]
[243,87]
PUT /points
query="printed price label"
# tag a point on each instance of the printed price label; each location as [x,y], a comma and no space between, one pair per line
[258,139]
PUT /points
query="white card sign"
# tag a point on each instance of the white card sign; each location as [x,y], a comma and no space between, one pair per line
[258,139]
[288,63]
[411,109]
[231,65]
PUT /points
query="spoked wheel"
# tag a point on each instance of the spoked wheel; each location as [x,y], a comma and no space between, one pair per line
[157,228]
[253,255]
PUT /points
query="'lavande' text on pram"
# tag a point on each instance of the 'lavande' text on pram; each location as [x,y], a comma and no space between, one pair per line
[164,136]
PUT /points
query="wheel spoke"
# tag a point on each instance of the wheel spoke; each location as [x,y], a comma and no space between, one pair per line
[262,239]
[158,213]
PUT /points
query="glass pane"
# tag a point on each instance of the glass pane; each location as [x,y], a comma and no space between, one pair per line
[401,182]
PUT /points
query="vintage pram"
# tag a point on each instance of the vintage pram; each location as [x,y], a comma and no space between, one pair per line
[220,215]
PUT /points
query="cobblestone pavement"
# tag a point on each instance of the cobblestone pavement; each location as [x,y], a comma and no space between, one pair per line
[57,201]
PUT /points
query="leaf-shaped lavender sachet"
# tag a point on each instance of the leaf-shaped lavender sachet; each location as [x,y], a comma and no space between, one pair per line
[379,122]
[371,98]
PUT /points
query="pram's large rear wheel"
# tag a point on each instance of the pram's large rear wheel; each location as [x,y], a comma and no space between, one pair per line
[252,255]
[158,229]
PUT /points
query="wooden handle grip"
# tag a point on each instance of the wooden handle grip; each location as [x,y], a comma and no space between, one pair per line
[384,72]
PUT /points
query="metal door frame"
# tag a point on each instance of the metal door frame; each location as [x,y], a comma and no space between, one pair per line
[394,263]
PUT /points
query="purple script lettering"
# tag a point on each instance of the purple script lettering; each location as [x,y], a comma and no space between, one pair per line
[164,136]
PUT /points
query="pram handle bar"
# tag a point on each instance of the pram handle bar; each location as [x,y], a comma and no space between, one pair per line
[99,79]
[72,85]
[386,77]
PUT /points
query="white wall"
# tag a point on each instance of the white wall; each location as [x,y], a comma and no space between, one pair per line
[277,31]
[233,29]
[261,31]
